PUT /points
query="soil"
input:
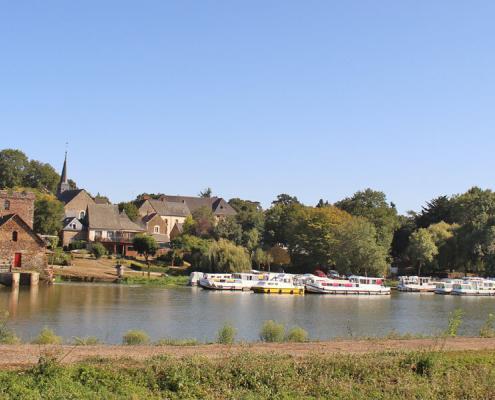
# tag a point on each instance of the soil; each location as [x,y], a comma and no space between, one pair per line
[16,356]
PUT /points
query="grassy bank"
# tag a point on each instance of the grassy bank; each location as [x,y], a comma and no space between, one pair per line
[166,281]
[425,375]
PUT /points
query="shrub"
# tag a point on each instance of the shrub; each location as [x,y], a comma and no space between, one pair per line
[455,321]
[297,334]
[7,335]
[86,341]
[98,250]
[135,337]
[176,342]
[77,245]
[272,332]
[226,334]
[487,330]
[59,257]
[47,336]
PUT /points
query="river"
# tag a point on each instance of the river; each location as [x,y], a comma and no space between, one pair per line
[108,311]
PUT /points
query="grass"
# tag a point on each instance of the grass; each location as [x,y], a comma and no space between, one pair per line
[86,341]
[272,332]
[297,335]
[166,281]
[177,342]
[226,334]
[401,375]
[135,337]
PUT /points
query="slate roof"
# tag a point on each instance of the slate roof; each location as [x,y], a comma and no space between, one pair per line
[6,218]
[68,195]
[67,221]
[161,238]
[108,217]
[217,204]
[170,208]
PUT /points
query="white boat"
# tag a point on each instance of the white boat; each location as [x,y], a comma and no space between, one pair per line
[353,285]
[474,287]
[280,284]
[416,284]
[236,281]
[195,277]
[445,286]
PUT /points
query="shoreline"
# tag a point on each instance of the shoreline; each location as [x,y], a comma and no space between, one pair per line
[24,355]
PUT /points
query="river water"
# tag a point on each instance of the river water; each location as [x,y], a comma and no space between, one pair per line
[108,311]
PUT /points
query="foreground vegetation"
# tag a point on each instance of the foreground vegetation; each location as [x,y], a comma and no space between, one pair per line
[403,375]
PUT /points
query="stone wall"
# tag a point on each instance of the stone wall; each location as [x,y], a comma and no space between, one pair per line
[20,203]
[33,255]
[157,221]
[78,204]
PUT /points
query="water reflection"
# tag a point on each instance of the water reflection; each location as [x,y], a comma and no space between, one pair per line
[107,311]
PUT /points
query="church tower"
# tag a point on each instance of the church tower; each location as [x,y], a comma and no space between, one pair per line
[64,183]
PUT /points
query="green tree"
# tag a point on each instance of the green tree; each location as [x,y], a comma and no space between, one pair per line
[146,246]
[437,210]
[204,222]
[98,250]
[281,221]
[225,256]
[422,248]
[130,209]
[48,215]
[102,199]
[249,214]
[356,249]
[251,239]
[206,193]
[192,247]
[41,176]
[228,228]
[13,168]
[262,258]
[373,206]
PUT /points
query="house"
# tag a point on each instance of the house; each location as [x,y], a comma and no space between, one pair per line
[156,226]
[20,246]
[219,207]
[105,224]
[176,231]
[75,201]
[72,229]
[170,212]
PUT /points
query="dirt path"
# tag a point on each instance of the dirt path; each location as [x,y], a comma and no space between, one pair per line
[24,355]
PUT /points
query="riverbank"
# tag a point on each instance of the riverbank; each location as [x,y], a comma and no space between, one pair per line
[270,372]
[28,354]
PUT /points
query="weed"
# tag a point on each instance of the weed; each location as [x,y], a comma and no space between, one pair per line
[135,337]
[297,334]
[487,330]
[272,332]
[47,336]
[226,334]
[455,321]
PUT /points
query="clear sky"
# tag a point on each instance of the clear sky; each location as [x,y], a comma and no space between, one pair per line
[317,99]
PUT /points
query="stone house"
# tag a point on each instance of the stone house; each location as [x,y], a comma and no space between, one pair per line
[72,229]
[156,226]
[170,212]
[219,207]
[20,246]
[105,224]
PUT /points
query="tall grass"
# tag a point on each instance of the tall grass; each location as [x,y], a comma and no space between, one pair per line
[271,332]
[47,336]
[7,335]
[135,337]
[226,334]
[455,321]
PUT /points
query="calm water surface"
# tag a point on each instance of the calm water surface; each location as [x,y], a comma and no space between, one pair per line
[108,311]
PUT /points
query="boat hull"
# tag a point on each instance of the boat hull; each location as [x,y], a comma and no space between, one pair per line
[297,291]
[347,291]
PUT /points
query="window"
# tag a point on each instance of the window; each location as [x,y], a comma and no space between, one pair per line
[6,205]
[14,236]
[156,229]
[82,214]
[73,226]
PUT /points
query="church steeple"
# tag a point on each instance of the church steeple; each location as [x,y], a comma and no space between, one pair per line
[64,183]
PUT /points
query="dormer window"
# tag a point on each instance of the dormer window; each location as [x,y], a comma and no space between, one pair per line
[6,205]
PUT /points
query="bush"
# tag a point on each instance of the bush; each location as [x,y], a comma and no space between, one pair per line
[226,334]
[59,257]
[86,341]
[225,256]
[455,321]
[98,250]
[297,334]
[135,337]
[77,245]
[272,332]
[47,336]
[7,335]
[487,330]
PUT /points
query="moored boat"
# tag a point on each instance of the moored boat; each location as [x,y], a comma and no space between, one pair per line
[445,286]
[281,284]
[416,284]
[357,285]
[474,287]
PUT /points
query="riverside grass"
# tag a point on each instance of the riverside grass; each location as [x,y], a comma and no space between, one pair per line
[392,375]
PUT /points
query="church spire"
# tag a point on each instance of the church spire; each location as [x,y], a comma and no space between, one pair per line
[64,183]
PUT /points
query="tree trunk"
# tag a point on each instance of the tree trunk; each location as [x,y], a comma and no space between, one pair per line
[148,264]
[419,268]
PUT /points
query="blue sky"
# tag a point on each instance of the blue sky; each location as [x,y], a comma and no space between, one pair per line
[318,99]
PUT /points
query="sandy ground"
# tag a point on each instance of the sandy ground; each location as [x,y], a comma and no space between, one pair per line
[91,269]
[13,356]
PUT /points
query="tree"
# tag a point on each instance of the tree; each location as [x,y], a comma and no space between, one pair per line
[228,228]
[48,215]
[280,256]
[281,221]
[41,176]
[98,250]
[13,168]
[357,250]
[251,239]
[436,210]
[206,193]
[204,221]
[285,200]
[249,214]
[224,256]
[262,258]
[146,246]
[422,248]
[102,199]
[192,247]
[130,209]
[373,206]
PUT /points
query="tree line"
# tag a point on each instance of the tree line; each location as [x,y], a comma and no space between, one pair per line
[361,234]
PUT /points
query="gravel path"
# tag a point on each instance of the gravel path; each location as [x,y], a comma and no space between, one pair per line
[13,356]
